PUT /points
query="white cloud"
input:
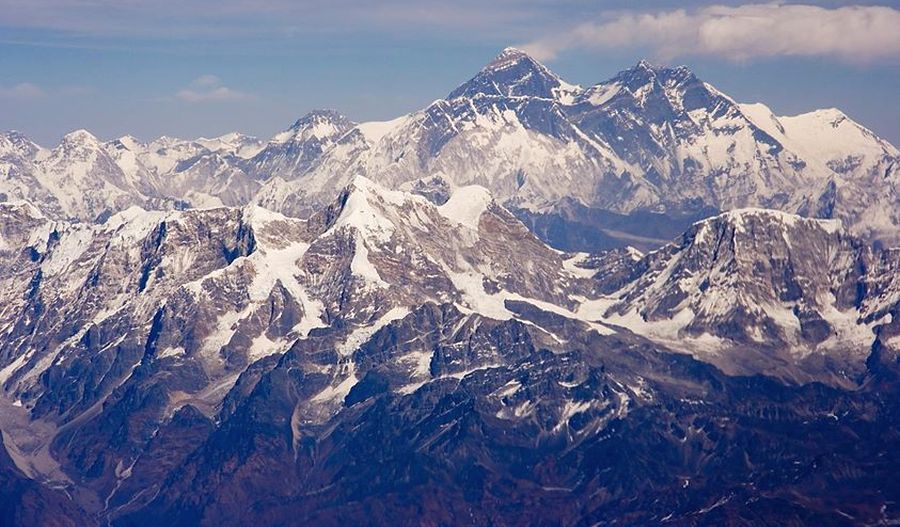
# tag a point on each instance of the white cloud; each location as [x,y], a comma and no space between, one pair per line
[209,88]
[24,90]
[854,33]
[206,81]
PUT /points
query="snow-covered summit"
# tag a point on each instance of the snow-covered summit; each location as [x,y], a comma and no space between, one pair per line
[752,277]
[650,139]
[740,218]
[513,73]
[318,125]
[79,139]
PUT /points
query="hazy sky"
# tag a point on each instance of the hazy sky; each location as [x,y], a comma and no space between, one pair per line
[189,67]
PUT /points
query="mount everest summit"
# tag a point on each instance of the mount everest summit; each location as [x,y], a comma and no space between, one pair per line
[650,141]
[638,302]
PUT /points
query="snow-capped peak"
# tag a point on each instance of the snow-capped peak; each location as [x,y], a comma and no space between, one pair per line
[644,65]
[317,125]
[512,73]
[508,57]
[739,218]
[826,138]
[164,141]
[131,143]
[359,208]
[18,144]
[373,131]
[832,115]
[236,143]
[80,137]
[320,124]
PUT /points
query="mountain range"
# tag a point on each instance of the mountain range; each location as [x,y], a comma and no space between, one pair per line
[529,303]
[630,161]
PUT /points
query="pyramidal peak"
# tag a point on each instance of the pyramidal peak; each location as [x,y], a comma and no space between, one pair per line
[372,209]
[359,204]
[512,73]
[644,72]
[319,115]
[80,136]
[15,141]
[318,124]
[509,56]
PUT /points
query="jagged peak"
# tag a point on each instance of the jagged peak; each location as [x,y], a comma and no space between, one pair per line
[129,138]
[128,142]
[237,136]
[135,222]
[232,142]
[646,69]
[80,136]
[740,218]
[320,115]
[259,216]
[644,72]
[25,207]
[15,135]
[509,55]
[645,81]
[365,205]
[319,124]
[168,139]
[358,207]
[19,142]
[512,73]
[362,185]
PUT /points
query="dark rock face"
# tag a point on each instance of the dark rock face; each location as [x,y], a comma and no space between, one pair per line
[573,434]
[757,280]
[390,361]
[25,502]
[511,74]
[296,150]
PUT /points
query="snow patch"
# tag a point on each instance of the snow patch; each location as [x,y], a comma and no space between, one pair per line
[466,205]
[373,131]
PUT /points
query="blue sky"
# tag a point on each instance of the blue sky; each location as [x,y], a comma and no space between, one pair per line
[189,67]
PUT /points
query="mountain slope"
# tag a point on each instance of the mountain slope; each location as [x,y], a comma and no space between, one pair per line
[26,502]
[755,290]
[360,323]
[113,330]
[389,357]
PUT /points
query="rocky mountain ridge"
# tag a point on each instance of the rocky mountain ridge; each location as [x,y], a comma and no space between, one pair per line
[649,141]
[364,323]
[178,363]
